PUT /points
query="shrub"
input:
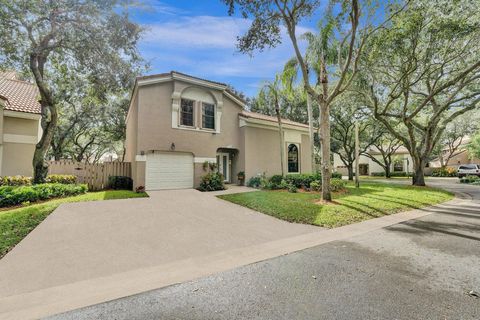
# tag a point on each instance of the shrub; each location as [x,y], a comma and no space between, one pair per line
[259,181]
[378,174]
[61,178]
[212,181]
[15,181]
[120,183]
[336,175]
[12,196]
[444,172]
[292,188]
[470,179]
[276,180]
[316,185]
[337,185]
[302,180]
[400,174]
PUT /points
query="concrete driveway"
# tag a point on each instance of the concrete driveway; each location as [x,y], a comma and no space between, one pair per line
[82,244]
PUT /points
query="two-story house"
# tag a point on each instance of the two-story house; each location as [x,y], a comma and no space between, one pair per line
[176,123]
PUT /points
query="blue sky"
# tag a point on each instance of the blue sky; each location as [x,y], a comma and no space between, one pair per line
[198,37]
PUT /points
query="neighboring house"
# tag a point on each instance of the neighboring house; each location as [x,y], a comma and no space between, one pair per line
[458,157]
[401,162]
[19,125]
[176,123]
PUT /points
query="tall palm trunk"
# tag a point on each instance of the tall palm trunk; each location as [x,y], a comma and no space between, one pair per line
[280,132]
[310,131]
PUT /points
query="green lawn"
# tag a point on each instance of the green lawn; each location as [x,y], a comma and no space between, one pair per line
[15,224]
[372,200]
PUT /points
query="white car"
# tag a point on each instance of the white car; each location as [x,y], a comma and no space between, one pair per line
[469,170]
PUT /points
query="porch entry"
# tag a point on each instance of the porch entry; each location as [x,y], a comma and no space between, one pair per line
[223,163]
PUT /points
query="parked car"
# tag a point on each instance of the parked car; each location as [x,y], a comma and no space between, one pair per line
[469,170]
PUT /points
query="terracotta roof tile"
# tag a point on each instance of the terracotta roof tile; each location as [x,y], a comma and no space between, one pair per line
[20,96]
[255,115]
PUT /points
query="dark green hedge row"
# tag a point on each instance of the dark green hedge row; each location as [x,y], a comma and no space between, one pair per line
[120,183]
[12,196]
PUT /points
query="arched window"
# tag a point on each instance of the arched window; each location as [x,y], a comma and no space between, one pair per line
[292,158]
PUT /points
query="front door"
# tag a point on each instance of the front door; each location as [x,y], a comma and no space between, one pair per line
[223,162]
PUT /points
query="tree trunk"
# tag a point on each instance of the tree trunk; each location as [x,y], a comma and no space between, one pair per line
[49,123]
[387,171]
[310,132]
[418,178]
[325,163]
[280,132]
[350,172]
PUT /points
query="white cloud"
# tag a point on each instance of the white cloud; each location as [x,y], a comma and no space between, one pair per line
[197,31]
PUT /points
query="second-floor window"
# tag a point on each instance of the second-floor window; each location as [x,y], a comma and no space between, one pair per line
[208,116]
[186,113]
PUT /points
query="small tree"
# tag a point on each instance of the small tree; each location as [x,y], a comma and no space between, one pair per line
[81,37]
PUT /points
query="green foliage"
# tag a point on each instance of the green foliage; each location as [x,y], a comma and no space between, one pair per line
[26,181]
[336,175]
[377,174]
[316,185]
[15,181]
[61,178]
[302,180]
[470,180]
[337,185]
[474,146]
[444,172]
[256,181]
[291,188]
[369,201]
[12,196]
[120,183]
[212,181]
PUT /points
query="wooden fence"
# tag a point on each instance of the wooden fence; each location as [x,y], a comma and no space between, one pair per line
[95,175]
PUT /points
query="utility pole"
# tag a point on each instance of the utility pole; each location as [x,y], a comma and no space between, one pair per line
[357,156]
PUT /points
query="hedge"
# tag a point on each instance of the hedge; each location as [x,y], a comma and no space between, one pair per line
[27,181]
[444,172]
[12,196]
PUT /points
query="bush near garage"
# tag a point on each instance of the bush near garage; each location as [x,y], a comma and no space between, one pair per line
[212,181]
[120,183]
[16,195]
[444,172]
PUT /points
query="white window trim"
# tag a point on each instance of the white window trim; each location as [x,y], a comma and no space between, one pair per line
[194,114]
[202,103]
[298,157]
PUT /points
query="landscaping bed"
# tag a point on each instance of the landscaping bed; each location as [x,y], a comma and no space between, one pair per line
[371,200]
[16,223]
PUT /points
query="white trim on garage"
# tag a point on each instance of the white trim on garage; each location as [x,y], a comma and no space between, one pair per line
[169,170]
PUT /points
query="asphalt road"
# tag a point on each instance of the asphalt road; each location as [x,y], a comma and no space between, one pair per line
[419,269]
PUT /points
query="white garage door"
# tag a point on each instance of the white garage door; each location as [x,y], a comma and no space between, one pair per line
[169,171]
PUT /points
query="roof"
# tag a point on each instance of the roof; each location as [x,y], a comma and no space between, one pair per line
[259,116]
[400,150]
[20,96]
[173,73]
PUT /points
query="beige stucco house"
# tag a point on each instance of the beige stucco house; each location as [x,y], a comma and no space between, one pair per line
[401,162]
[177,123]
[19,125]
